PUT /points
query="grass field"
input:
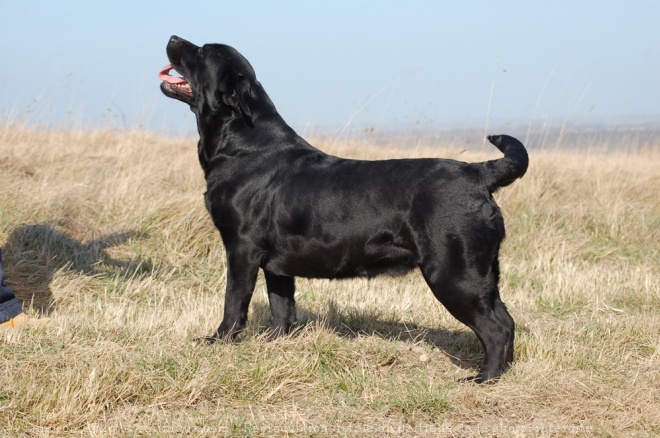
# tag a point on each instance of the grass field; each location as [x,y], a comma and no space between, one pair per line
[106,233]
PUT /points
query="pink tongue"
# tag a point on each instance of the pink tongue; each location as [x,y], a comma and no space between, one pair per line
[164,76]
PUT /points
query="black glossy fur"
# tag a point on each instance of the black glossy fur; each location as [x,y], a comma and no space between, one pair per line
[292,210]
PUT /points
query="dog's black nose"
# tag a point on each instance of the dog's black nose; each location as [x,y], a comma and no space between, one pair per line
[174,39]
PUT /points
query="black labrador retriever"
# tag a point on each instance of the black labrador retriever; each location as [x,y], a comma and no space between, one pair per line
[294,211]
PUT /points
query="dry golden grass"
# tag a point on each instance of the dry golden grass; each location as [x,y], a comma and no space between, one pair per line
[107,233]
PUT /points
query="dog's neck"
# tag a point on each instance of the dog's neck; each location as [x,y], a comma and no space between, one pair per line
[226,132]
[235,137]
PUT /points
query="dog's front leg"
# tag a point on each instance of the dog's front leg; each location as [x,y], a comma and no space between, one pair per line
[241,279]
[281,292]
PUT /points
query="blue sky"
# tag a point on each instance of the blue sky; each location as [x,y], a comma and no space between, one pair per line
[332,64]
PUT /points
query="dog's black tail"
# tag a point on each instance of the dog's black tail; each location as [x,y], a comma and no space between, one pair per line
[502,172]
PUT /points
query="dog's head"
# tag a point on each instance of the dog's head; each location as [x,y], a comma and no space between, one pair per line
[216,82]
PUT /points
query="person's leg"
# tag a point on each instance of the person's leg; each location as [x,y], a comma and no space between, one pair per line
[9,304]
[11,311]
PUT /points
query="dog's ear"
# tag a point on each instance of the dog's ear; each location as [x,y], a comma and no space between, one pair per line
[238,96]
[244,97]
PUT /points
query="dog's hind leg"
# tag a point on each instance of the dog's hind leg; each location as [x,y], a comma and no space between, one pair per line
[281,292]
[495,329]
[474,300]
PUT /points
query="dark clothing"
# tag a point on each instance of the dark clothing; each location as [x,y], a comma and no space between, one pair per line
[9,305]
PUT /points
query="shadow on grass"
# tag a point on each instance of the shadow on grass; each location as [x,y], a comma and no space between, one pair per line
[34,253]
[461,347]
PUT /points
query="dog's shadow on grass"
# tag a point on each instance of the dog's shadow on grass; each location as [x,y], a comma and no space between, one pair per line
[460,346]
[34,253]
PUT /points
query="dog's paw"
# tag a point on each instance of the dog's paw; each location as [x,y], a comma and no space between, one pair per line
[211,340]
[478,379]
[469,379]
[481,380]
[277,333]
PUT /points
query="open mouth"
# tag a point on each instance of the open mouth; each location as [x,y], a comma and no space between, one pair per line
[175,84]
